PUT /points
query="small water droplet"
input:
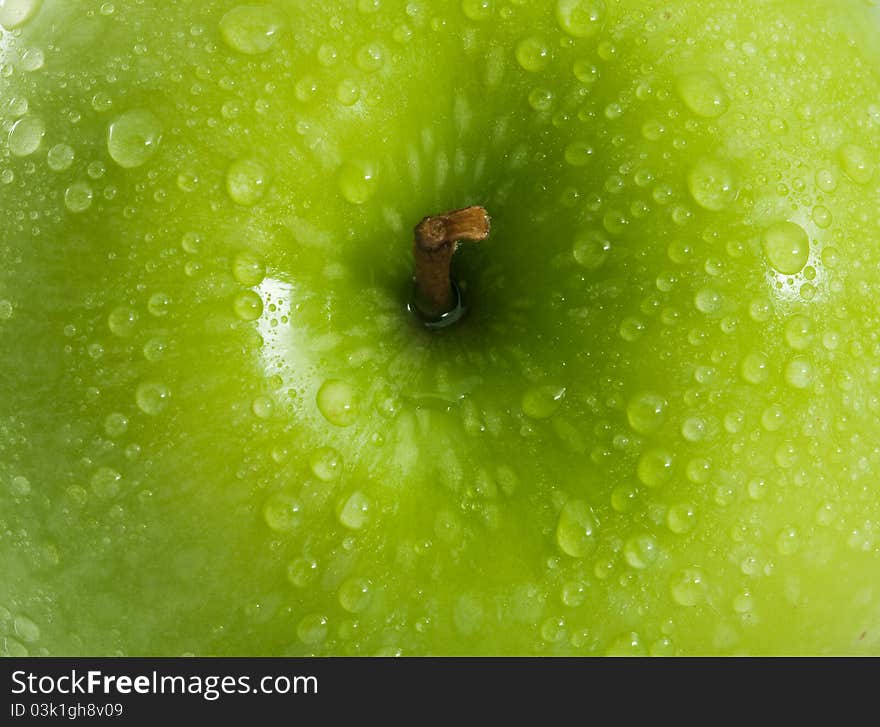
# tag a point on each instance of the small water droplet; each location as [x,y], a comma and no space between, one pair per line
[248,268]
[640,551]
[590,250]
[326,464]
[477,10]
[799,373]
[116,424]
[370,58]
[681,518]
[688,587]
[578,153]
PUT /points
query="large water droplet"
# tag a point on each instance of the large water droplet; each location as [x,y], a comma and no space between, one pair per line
[15,13]
[152,397]
[590,250]
[477,9]
[122,321]
[337,401]
[533,54]
[357,181]
[654,467]
[799,373]
[354,512]
[576,528]
[60,157]
[786,246]
[78,197]
[711,184]
[857,162]
[282,512]
[646,412]
[580,18]
[640,551]
[252,29]
[355,595]
[134,137]
[688,588]
[246,181]
[105,482]
[702,93]
[248,305]
[26,135]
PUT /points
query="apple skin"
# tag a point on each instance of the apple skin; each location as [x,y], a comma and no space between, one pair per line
[221,433]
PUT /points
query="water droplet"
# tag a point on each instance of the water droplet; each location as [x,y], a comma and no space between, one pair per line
[6,310]
[857,163]
[655,467]
[246,181]
[354,512]
[799,332]
[252,29]
[302,571]
[26,135]
[591,249]
[263,407]
[467,615]
[578,153]
[357,181]
[60,157]
[32,60]
[337,401]
[348,92]
[326,464]
[533,54]
[576,528]
[574,593]
[20,486]
[159,304]
[154,349]
[646,412]
[688,588]
[585,71]
[122,321]
[694,429]
[105,482]
[708,301]
[640,551]
[248,305]
[541,99]
[788,541]
[822,217]
[711,184]
[477,10]
[681,518]
[248,268]
[826,180]
[78,197]
[757,488]
[541,402]
[703,94]
[116,424]
[370,58]
[282,512]
[631,329]
[15,13]
[312,629]
[355,595]
[134,137]
[26,629]
[799,373]
[786,246]
[152,397]
[580,18]
[772,418]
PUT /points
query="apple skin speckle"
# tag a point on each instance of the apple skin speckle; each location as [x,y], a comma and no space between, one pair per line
[653,431]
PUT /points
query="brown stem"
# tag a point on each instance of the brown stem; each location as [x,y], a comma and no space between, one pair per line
[435,241]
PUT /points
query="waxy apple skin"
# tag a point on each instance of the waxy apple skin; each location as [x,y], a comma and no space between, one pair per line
[222,433]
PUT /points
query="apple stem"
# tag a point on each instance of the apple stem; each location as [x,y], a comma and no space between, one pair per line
[437,298]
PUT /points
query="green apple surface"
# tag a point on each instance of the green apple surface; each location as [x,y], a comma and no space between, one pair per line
[656,431]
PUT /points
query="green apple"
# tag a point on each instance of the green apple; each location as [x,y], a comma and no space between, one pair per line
[655,430]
